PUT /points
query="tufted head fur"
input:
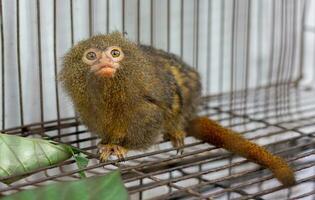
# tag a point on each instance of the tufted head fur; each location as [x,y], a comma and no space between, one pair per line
[105,104]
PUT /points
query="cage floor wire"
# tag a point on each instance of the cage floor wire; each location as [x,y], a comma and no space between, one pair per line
[283,125]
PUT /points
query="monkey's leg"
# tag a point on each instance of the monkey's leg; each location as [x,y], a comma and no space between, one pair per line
[107,150]
[175,133]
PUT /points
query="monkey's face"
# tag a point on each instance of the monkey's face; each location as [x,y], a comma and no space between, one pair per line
[109,57]
[103,63]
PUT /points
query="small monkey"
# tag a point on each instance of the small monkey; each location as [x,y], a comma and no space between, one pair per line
[130,94]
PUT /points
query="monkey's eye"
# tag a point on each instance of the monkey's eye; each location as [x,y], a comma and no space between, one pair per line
[115,53]
[91,55]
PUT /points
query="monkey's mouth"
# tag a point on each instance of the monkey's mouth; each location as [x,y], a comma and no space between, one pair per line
[105,71]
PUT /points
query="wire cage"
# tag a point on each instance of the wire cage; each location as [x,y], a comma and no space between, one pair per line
[253,57]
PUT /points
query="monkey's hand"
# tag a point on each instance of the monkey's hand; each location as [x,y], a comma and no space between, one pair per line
[106,150]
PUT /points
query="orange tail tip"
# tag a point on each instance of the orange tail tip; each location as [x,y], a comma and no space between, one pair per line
[209,131]
[285,175]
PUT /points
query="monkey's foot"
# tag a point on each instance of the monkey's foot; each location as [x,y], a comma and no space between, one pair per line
[177,140]
[107,150]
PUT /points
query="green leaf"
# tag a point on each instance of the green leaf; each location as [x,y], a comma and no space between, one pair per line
[105,187]
[82,162]
[20,155]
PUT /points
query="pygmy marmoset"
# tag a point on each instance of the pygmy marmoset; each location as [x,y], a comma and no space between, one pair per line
[129,94]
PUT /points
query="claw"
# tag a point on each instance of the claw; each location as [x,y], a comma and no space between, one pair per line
[178,142]
[104,156]
[106,150]
[121,157]
[180,151]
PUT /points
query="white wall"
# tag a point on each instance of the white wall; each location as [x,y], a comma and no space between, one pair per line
[309,48]
[210,45]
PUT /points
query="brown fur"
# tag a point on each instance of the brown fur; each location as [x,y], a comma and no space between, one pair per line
[152,93]
[209,131]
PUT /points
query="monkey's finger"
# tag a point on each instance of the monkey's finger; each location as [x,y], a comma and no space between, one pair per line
[120,153]
[105,155]
[179,143]
[121,157]
[177,140]
[180,151]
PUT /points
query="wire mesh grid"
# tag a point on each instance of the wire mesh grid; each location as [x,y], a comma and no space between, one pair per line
[202,171]
[276,112]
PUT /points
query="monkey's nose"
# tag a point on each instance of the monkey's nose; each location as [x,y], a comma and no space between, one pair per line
[105,67]
[106,62]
